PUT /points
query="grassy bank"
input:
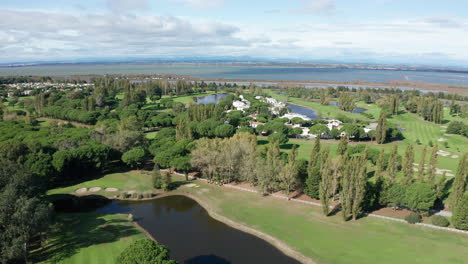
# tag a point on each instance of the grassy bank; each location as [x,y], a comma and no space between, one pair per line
[324,239]
[88,238]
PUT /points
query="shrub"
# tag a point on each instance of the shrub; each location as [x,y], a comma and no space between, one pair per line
[420,197]
[413,218]
[439,220]
[145,251]
[460,213]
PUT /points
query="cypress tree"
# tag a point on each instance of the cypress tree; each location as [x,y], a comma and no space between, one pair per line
[422,165]
[346,192]
[343,145]
[460,183]
[433,165]
[408,165]
[381,130]
[315,154]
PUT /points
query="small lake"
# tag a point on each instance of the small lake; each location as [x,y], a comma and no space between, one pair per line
[194,237]
[211,99]
[303,111]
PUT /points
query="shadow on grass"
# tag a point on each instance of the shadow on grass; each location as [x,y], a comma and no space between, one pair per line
[76,231]
[289,146]
[176,184]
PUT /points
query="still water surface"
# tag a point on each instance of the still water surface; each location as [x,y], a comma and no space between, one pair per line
[193,236]
[211,99]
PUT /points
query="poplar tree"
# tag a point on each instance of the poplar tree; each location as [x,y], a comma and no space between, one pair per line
[460,183]
[393,164]
[343,145]
[408,165]
[359,185]
[379,166]
[325,185]
[422,165]
[433,165]
[381,130]
[346,192]
[288,175]
[313,171]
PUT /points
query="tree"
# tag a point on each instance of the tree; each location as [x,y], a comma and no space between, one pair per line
[134,157]
[145,251]
[420,197]
[461,181]
[392,167]
[313,171]
[288,176]
[379,166]
[279,138]
[167,181]
[381,130]
[325,186]
[342,146]
[225,130]
[422,164]
[157,177]
[346,102]
[432,165]
[182,163]
[460,213]
[408,165]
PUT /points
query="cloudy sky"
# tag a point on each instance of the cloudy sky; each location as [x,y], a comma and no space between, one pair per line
[382,31]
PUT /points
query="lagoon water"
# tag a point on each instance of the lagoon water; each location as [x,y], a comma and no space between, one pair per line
[242,72]
[211,99]
[193,236]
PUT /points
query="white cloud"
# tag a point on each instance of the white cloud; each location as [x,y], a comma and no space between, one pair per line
[202,3]
[126,5]
[317,7]
[27,34]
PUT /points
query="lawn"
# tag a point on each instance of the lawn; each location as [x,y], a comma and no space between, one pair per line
[415,129]
[123,181]
[88,238]
[324,239]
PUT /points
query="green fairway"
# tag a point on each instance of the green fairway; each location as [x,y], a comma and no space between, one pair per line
[88,238]
[324,239]
[123,181]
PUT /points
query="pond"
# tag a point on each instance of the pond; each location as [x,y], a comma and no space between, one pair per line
[193,236]
[211,99]
[310,113]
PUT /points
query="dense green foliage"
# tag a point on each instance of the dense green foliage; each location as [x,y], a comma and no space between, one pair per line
[413,218]
[460,213]
[439,220]
[145,251]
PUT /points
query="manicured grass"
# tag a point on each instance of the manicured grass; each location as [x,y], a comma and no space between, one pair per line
[324,239]
[123,181]
[151,135]
[415,128]
[88,238]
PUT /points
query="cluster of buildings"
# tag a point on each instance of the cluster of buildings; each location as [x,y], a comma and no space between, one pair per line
[25,89]
[242,104]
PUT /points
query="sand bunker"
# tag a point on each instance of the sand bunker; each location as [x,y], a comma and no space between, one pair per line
[81,190]
[111,189]
[191,185]
[441,139]
[95,189]
[443,153]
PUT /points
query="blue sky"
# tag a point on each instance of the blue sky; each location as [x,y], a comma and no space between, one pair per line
[379,31]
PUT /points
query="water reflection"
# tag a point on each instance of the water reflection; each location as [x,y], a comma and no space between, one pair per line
[211,99]
[193,236]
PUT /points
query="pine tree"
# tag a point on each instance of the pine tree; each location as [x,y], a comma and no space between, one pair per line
[381,130]
[433,165]
[379,166]
[408,165]
[460,184]
[343,145]
[392,168]
[422,165]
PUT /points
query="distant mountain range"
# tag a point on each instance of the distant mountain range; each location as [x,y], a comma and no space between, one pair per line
[244,61]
